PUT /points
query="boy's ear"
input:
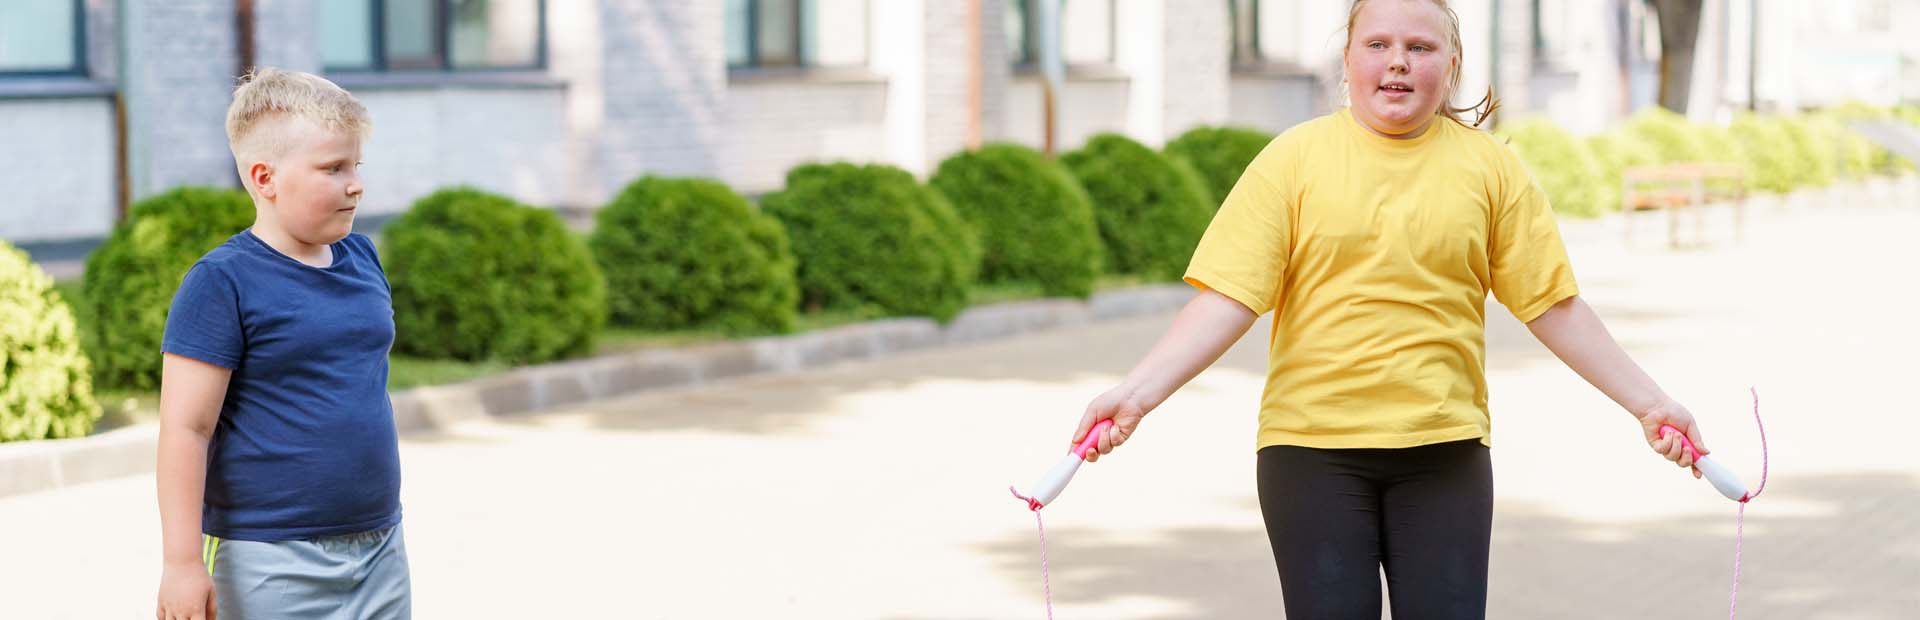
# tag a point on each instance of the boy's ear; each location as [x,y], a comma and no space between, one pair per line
[260,174]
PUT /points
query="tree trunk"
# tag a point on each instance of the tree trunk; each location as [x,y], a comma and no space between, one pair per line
[1679,29]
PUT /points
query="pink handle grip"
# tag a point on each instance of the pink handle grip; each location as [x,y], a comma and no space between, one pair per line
[1668,430]
[1093,439]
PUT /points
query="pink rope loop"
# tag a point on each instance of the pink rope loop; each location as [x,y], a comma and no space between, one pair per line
[1046,581]
[1740,522]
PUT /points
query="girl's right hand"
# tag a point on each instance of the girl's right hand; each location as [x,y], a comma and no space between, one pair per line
[1116,404]
[186,593]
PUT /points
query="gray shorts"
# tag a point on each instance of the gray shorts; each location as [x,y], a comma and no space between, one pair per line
[349,577]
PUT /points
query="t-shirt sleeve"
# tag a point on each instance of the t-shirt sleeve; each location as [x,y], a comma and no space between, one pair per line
[1530,268]
[1244,252]
[204,321]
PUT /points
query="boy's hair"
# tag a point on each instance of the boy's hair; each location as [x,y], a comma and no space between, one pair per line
[268,95]
[1487,105]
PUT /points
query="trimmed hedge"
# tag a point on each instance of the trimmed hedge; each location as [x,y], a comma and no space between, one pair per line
[1036,223]
[478,276]
[1815,160]
[1767,153]
[1672,137]
[1614,152]
[130,279]
[871,237]
[46,382]
[1563,165]
[691,253]
[1219,154]
[1152,210]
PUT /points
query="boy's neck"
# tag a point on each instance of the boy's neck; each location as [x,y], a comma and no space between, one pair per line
[314,255]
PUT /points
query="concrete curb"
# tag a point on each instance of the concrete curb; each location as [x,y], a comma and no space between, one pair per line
[31,466]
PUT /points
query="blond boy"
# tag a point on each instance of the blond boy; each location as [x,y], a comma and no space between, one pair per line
[279,466]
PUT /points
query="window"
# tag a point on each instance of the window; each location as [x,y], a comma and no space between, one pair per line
[432,35]
[1243,27]
[41,37]
[767,33]
[797,33]
[1087,31]
[1553,31]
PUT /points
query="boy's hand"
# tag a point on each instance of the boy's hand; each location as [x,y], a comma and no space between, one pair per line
[186,593]
[1118,405]
[1670,412]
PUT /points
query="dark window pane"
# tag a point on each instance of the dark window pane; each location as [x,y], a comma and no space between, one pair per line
[778,36]
[739,32]
[495,33]
[410,34]
[1019,52]
[37,35]
[346,34]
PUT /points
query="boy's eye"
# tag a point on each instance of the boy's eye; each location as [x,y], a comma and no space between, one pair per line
[1377,45]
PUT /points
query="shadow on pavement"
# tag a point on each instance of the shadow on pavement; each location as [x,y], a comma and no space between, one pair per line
[1837,546]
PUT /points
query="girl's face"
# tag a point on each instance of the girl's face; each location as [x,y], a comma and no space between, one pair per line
[1398,64]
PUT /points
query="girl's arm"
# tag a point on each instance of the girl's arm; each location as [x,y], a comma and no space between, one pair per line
[1200,334]
[1575,334]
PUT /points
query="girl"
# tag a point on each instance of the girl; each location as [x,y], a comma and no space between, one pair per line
[1374,234]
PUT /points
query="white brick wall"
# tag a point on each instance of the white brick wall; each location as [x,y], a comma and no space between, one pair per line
[56,161]
[1275,102]
[1087,106]
[177,93]
[511,141]
[771,125]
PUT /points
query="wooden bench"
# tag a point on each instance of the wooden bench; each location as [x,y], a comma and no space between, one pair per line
[1685,187]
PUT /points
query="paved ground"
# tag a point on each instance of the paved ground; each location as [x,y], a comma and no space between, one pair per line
[878,490]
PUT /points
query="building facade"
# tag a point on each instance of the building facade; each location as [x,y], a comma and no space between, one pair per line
[562,102]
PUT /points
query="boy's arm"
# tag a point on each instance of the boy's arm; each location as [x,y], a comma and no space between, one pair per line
[1201,333]
[1575,334]
[191,393]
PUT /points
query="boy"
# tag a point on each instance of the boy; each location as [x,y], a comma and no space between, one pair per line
[276,434]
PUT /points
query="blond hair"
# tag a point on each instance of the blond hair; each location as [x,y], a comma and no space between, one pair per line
[267,97]
[1487,104]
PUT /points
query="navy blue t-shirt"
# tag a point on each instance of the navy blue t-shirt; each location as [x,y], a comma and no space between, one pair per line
[305,445]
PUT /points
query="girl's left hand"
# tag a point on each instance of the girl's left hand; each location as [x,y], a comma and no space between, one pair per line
[1672,413]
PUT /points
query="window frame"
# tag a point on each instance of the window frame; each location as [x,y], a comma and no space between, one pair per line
[754,61]
[79,68]
[1259,56]
[442,44]
[1030,43]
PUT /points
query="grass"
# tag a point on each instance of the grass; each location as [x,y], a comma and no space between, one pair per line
[124,407]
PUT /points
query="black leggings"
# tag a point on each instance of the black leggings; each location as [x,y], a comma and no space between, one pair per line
[1337,517]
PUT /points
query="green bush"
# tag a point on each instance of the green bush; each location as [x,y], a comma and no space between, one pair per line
[1767,153]
[1151,209]
[871,237]
[477,276]
[1219,154]
[1613,153]
[1035,222]
[131,278]
[1815,158]
[1564,166]
[691,253]
[1854,157]
[46,383]
[1672,137]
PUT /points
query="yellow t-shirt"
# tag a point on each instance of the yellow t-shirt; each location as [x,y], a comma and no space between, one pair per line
[1376,256]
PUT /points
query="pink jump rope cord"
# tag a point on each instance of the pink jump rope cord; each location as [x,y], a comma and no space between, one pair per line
[1046,582]
[1740,522]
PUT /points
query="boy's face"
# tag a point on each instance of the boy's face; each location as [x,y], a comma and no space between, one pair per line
[314,188]
[1398,64]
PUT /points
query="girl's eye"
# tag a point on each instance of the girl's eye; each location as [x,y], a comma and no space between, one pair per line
[1421,48]
[1377,45]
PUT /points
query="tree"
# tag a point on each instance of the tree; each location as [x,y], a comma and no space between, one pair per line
[1679,29]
